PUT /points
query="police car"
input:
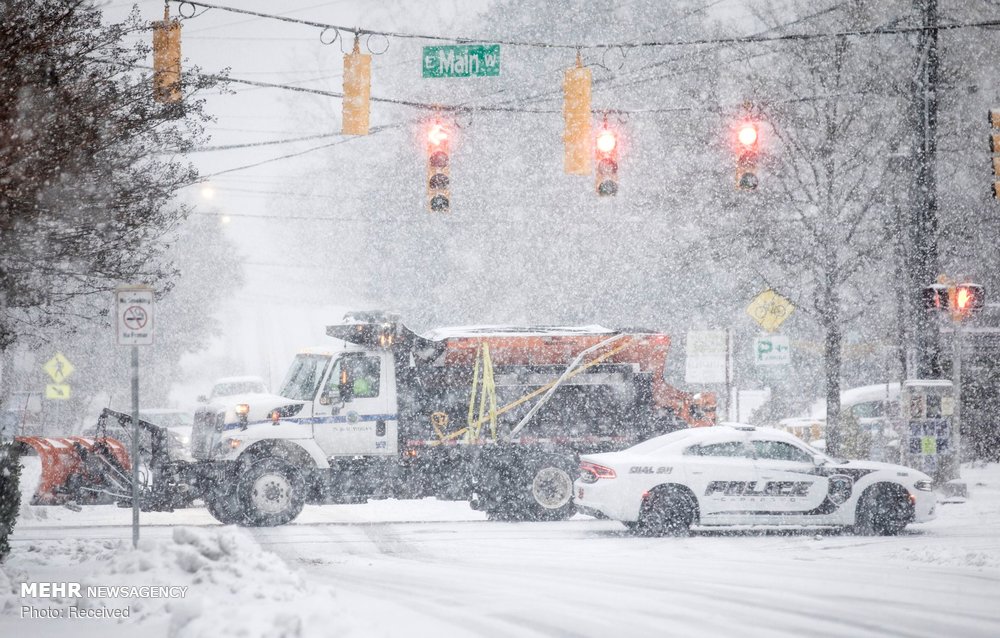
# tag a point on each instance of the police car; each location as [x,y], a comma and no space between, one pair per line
[741,475]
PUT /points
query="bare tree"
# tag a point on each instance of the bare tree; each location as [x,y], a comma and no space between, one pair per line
[823,221]
[88,163]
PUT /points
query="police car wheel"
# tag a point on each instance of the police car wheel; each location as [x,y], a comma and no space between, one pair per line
[883,510]
[666,513]
[271,492]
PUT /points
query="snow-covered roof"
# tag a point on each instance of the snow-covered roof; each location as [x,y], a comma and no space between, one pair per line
[866,393]
[242,379]
[928,383]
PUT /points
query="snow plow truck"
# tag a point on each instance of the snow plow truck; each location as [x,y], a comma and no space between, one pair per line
[494,415]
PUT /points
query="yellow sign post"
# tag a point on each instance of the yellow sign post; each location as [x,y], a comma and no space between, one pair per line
[769,309]
[58,368]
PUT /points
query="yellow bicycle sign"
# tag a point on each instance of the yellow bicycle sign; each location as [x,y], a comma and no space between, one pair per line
[769,309]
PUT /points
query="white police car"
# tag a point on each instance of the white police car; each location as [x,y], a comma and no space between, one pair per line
[742,475]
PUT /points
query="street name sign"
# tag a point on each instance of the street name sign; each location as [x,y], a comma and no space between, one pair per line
[461,61]
[706,356]
[769,310]
[772,351]
[134,311]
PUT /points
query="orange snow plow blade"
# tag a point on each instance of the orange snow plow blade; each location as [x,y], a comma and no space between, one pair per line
[76,468]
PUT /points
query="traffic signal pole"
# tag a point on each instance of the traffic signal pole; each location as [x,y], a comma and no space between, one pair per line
[923,228]
[955,466]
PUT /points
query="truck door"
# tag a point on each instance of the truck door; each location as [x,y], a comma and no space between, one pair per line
[355,413]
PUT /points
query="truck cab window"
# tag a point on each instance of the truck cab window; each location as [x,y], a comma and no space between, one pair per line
[363,373]
[304,377]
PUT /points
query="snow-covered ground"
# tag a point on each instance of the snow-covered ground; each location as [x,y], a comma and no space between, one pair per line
[430,568]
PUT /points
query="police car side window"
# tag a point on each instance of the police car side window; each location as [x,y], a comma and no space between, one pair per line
[780,451]
[729,448]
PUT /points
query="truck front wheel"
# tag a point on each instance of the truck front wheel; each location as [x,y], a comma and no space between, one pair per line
[223,505]
[271,491]
[538,488]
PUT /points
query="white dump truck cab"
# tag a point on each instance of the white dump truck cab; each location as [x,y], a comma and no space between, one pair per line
[332,403]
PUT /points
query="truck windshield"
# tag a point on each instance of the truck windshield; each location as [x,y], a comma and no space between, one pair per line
[304,377]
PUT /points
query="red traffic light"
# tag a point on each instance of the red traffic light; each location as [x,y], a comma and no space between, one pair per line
[438,167]
[606,175]
[606,141]
[747,135]
[437,134]
[968,298]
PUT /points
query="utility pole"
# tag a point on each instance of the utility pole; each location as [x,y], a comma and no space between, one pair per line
[922,264]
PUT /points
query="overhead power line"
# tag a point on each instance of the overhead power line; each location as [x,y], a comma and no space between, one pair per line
[751,39]
[289,140]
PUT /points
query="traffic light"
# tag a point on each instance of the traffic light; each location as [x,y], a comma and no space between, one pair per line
[959,300]
[747,140]
[167,59]
[576,115]
[994,115]
[357,91]
[965,299]
[438,168]
[606,144]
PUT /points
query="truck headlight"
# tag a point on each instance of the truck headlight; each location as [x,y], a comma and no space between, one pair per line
[242,409]
[235,443]
[924,486]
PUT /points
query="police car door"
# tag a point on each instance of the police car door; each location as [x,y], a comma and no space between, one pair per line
[788,481]
[718,472]
[356,415]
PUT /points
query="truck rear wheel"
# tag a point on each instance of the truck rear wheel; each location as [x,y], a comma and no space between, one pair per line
[552,490]
[540,488]
[271,491]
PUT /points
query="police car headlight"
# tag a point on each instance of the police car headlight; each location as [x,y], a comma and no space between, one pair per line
[243,409]
[924,486]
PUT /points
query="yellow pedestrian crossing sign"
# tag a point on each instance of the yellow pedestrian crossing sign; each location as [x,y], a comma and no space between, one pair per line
[58,367]
[57,391]
[769,309]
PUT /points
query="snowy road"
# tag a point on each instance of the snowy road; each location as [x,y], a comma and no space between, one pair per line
[587,578]
[438,569]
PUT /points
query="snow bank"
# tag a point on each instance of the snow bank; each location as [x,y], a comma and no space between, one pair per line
[233,587]
[31,476]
